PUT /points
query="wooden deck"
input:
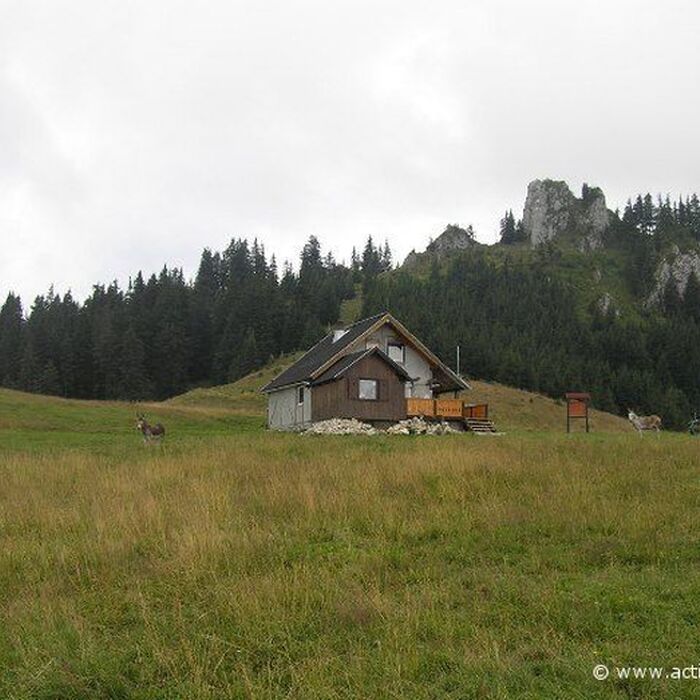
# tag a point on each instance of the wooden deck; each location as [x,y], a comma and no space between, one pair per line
[446,409]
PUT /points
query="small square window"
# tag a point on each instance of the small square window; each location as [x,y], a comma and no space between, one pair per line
[396,352]
[300,395]
[368,389]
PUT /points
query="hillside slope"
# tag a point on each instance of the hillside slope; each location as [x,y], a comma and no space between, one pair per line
[34,423]
[510,408]
[242,395]
[515,409]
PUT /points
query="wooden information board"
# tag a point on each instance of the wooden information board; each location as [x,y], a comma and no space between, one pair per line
[577,407]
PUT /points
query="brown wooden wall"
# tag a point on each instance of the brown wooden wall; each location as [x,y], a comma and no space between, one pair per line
[338,399]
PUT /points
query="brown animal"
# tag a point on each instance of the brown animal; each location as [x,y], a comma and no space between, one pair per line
[644,422]
[151,433]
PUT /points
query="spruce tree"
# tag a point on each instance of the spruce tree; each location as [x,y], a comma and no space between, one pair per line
[133,382]
[29,369]
[11,326]
[648,214]
[691,298]
[672,302]
[508,234]
[49,381]
[245,358]
[386,257]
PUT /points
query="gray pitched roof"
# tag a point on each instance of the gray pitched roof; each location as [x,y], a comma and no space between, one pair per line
[326,350]
[337,369]
[319,354]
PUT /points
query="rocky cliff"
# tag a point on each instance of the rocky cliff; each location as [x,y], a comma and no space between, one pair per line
[677,266]
[451,239]
[552,211]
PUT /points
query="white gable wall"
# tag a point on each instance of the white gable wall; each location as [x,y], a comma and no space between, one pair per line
[416,365]
[284,412]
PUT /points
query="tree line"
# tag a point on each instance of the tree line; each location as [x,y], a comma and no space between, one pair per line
[165,334]
[517,315]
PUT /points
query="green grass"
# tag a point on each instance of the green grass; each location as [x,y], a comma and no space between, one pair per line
[351,309]
[242,396]
[37,424]
[235,563]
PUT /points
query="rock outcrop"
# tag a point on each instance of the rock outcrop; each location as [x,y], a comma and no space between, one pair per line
[551,211]
[547,211]
[452,239]
[411,260]
[676,266]
[607,304]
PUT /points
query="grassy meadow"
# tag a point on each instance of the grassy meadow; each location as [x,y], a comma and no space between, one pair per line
[235,563]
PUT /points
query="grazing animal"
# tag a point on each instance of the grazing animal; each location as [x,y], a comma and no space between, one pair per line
[644,422]
[151,433]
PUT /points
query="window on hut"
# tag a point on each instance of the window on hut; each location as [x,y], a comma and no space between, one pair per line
[368,389]
[396,352]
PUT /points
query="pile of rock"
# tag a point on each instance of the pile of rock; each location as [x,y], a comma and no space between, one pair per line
[418,426]
[352,426]
[340,426]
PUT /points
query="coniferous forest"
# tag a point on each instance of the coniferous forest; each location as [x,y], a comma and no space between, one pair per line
[521,316]
[163,335]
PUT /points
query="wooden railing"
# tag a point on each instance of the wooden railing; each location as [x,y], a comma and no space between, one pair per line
[476,410]
[450,409]
[420,407]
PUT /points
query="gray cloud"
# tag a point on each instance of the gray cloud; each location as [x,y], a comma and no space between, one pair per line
[133,134]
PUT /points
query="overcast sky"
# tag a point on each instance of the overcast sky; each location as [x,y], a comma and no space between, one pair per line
[134,133]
